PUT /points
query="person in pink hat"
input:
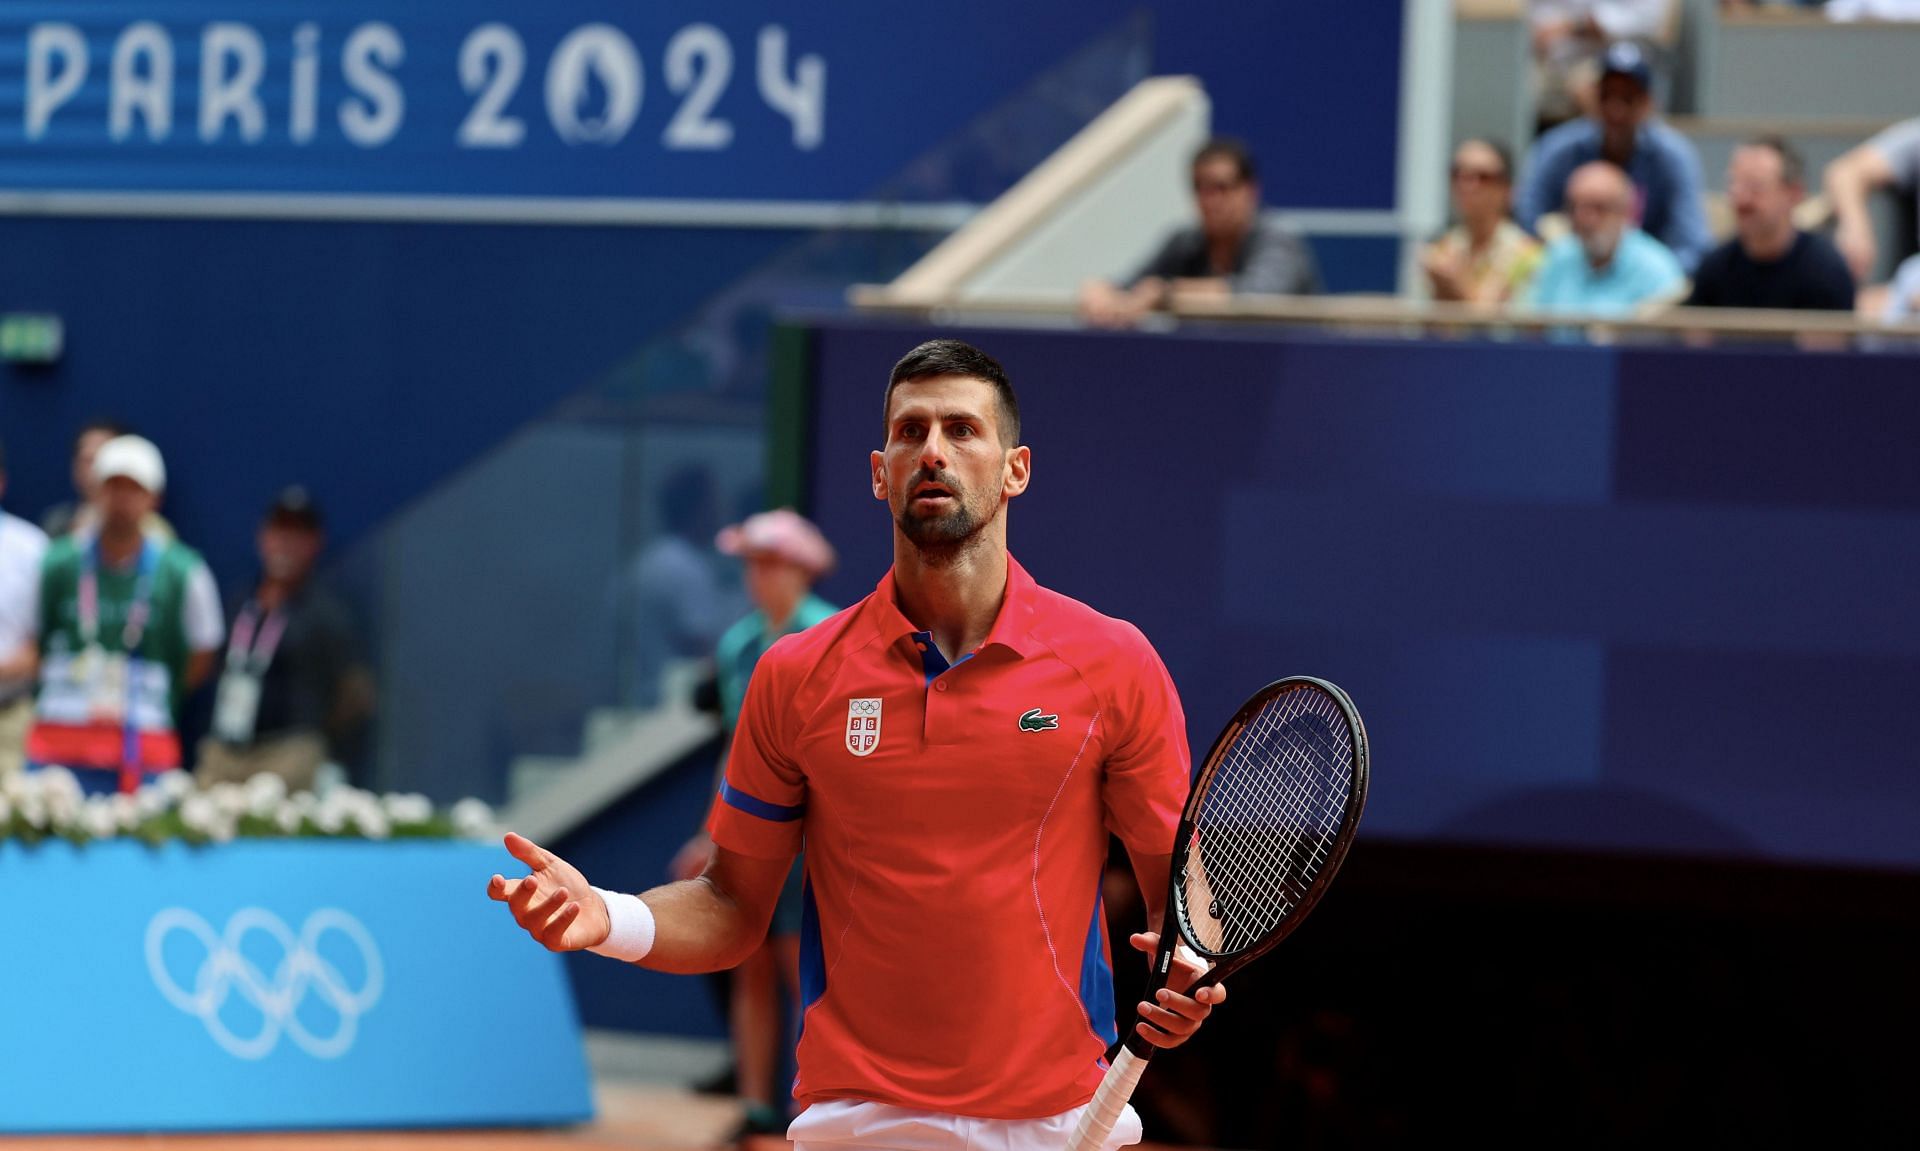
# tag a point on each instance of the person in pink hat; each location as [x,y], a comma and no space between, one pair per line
[785,555]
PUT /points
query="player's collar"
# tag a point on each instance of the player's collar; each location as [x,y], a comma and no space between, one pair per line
[1010,627]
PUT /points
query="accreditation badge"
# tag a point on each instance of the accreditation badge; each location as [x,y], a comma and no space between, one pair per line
[236,706]
[106,685]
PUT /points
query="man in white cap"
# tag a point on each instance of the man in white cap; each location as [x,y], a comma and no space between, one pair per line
[785,556]
[129,624]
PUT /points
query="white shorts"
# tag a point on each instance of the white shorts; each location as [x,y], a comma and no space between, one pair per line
[838,1124]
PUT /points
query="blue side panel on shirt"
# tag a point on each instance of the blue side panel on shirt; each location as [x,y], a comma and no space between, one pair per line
[753,805]
[1096,978]
[813,960]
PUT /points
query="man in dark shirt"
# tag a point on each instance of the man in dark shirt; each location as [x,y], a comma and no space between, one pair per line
[293,687]
[1231,250]
[1770,263]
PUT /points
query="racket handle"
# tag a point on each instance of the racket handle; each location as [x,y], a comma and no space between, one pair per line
[1098,1117]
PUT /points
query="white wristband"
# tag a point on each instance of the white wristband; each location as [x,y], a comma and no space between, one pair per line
[631,927]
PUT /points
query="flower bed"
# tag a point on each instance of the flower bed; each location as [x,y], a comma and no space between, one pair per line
[50,803]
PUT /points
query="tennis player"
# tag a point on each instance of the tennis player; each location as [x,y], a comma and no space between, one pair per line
[953,750]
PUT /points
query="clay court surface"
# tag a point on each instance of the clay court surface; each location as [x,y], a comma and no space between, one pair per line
[631,1118]
[656,1118]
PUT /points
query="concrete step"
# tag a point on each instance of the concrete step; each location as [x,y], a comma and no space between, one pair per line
[532,773]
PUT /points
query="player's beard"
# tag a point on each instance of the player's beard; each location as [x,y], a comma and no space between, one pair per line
[940,538]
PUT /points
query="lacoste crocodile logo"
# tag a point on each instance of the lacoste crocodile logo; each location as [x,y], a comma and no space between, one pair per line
[1034,721]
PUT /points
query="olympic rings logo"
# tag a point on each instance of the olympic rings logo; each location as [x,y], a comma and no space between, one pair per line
[225,971]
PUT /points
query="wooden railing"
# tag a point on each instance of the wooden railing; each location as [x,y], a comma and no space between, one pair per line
[1389,315]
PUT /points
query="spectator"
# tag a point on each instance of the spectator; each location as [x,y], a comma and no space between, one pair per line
[1607,266]
[129,624]
[1891,159]
[1232,249]
[1770,263]
[80,516]
[1661,162]
[293,688]
[784,555]
[679,606]
[22,548]
[1486,258]
[1899,301]
[1847,11]
[1568,39]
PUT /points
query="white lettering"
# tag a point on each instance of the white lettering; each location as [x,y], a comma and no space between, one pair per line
[698,58]
[236,95]
[304,110]
[594,52]
[47,88]
[372,120]
[493,59]
[802,99]
[148,91]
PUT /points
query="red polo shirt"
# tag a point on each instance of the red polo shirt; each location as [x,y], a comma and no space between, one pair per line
[953,952]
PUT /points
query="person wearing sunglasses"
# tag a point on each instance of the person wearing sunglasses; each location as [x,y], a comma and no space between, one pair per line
[1485,258]
[1231,250]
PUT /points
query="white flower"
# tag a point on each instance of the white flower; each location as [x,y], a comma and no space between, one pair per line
[59,781]
[410,807]
[150,801]
[224,828]
[229,799]
[64,809]
[372,822]
[33,810]
[98,818]
[175,785]
[198,814]
[264,793]
[15,786]
[63,795]
[287,819]
[126,813]
[472,818]
[331,815]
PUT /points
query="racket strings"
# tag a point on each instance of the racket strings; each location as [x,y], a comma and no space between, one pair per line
[1267,824]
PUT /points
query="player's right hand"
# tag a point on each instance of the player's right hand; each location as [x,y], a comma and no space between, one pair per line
[555,904]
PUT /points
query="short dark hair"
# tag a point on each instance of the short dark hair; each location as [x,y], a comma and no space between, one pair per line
[1793,167]
[1228,148]
[937,358]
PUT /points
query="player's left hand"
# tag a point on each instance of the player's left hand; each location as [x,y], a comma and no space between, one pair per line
[1174,1018]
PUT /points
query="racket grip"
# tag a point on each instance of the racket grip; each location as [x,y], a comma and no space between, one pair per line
[1098,1117]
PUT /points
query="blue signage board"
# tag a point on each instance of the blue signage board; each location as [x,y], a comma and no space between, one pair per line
[263,985]
[747,100]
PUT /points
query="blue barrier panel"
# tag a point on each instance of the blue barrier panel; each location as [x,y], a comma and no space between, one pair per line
[1646,600]
[276,985]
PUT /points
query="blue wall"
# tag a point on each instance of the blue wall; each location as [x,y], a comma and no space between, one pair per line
[1634,599]
[367,361]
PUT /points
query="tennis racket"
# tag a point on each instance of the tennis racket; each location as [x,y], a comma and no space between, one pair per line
[1266,827]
